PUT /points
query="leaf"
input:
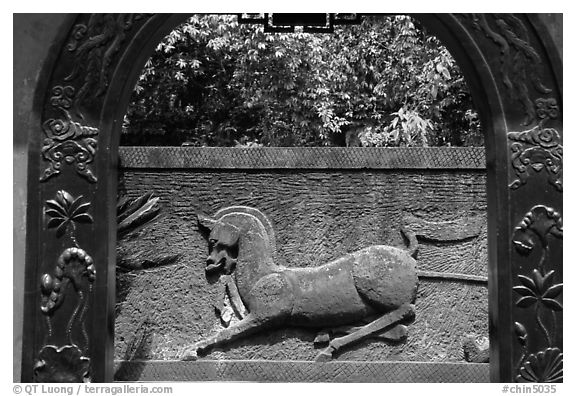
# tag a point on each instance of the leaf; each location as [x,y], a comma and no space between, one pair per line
[526,301]
[83,218]
[141,213]
[434,92]
[75,205]
[55,213]
[55,222]
[81,209]
[529,283]
[552,304]
[553,291]
[56,206]
[524,291]
[547,280]
[61,230]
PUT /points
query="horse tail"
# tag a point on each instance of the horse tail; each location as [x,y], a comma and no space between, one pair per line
[452,276]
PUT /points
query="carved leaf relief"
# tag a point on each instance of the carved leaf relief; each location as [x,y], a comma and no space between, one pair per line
[65,364]
[66,210]
[544,366]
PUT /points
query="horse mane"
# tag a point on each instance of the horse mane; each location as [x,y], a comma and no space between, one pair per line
[266,223]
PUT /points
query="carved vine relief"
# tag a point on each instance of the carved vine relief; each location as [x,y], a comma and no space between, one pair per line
[538,291]
[74,272]
[519,61]
[95,45]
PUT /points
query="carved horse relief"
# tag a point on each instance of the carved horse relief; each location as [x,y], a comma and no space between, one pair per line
[367,293]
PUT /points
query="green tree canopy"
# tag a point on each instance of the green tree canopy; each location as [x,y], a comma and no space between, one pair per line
[385,82]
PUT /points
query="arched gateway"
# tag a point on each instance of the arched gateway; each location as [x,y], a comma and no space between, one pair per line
[70,131]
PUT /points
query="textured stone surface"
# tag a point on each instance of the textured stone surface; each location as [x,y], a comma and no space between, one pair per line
[317,217]
[277,371]
[303,157]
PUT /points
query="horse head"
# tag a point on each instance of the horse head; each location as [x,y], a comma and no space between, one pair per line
[225,231]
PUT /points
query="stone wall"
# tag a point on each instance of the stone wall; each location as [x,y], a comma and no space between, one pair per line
[319,213]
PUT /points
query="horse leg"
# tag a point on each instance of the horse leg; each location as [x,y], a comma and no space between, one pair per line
[244,327]
[395,333]
[403,312]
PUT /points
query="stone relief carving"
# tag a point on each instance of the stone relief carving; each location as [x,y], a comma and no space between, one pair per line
[519,61]
[538,290]
[368,293]
[68,363]
[64,364]
[538,149]
[68,142]
[378,282]
[95,45]
[75,270]
[65,211]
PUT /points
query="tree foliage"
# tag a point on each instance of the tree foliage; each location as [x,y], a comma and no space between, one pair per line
[214,82]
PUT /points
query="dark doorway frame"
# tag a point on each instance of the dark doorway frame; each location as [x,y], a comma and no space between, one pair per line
[514,71]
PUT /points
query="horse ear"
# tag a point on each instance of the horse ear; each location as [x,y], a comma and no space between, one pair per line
[206,223]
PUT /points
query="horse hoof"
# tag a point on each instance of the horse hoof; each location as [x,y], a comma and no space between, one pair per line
[322,338]
[189,355]
[325,355]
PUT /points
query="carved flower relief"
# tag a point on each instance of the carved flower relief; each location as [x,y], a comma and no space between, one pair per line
[67,141]
[538,289]
[65,210]
[547,138]
[57,129]
[546,108]
[535,150]
[62,96]
[544,366]
[64,364]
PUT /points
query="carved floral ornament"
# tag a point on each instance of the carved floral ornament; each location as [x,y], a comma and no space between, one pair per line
[74,270]
[68,142]
[538,149]
[538,291]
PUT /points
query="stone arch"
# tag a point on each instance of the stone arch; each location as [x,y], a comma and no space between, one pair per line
[515,74]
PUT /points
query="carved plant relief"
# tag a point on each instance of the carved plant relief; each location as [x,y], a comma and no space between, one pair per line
[539,291]
[64,211]
[74,274]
